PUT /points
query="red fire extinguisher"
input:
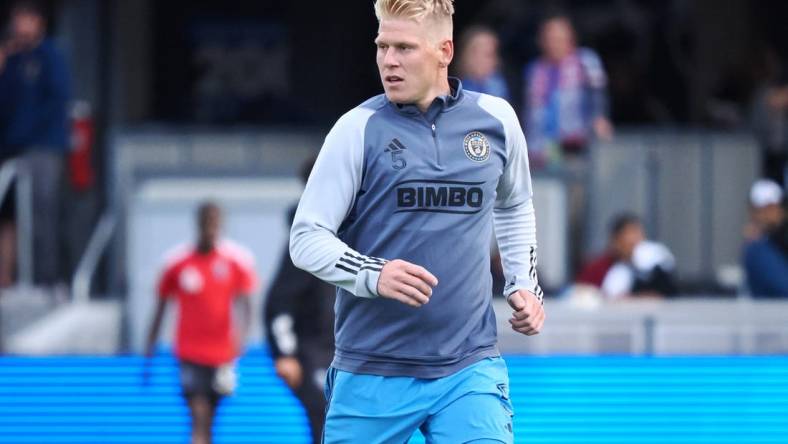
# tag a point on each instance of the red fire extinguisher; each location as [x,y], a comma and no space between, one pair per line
[80,162]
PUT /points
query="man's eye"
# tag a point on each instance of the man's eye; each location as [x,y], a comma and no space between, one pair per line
[382,46]
[403,47]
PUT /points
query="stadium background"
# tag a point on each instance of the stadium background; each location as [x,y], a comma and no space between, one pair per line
[224,99]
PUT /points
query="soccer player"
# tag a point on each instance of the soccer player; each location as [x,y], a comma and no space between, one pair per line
[398,213]
[206,280]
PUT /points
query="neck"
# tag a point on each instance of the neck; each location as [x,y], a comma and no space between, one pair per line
[204,247]
[558,58]
[32,44]
[441,88]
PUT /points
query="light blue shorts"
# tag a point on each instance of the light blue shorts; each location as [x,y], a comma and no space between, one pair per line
[471,405]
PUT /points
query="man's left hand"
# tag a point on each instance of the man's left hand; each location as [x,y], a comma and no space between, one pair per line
[603,129]
[528,316]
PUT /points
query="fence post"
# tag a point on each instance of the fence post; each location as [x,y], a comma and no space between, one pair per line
[24,222]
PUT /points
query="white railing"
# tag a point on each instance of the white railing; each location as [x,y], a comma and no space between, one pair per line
[86,269]
[13,169]
[681,326]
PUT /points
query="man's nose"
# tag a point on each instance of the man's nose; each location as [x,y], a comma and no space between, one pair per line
[390,58]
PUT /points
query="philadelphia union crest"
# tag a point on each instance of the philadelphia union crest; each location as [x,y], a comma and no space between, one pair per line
[477,148]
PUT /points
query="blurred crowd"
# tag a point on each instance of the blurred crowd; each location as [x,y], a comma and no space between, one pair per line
[565,109]
[565,99]
[562,95]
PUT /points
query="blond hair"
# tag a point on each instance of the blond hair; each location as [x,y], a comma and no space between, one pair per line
[437,11]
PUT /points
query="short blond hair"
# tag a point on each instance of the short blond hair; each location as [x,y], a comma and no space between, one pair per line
[436,11]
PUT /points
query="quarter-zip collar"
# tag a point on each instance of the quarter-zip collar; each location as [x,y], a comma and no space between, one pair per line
[438,105]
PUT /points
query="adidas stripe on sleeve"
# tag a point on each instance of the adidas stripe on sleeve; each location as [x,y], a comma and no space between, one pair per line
[513,215]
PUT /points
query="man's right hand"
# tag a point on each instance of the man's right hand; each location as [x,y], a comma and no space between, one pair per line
[405,282]
[289,369]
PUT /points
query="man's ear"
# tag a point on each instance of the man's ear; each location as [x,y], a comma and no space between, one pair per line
[446,49]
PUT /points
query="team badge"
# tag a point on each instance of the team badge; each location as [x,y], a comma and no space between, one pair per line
[477,148]
[190,280]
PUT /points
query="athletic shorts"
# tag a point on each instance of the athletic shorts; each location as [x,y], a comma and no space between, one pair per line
[470,405]
[213,382]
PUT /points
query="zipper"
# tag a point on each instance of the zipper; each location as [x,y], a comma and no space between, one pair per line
[436,143]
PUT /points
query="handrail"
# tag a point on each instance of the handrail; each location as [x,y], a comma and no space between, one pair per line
[24,226]
[7,173]
[24,216]
[83,276]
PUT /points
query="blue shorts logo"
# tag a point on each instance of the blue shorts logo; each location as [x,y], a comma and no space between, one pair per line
[477,148]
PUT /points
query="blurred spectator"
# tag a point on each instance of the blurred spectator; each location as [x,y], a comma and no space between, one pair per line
[565,106]
[565,96]
[205,280]
[299,324]
[770,122]
[480,63]
[766,252]
[34,87]
[631,265]
[766,209]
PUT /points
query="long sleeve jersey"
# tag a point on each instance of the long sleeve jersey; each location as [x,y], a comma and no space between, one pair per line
[392,182]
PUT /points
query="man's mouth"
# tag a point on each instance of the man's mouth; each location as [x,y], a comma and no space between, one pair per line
[393,80]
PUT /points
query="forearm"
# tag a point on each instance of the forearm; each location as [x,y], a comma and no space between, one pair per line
[153,331]
[281,334]
[515,230]
[244,318]
[321,253]
[291,288]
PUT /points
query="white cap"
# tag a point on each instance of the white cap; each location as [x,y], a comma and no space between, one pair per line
[650,254]
[765,192]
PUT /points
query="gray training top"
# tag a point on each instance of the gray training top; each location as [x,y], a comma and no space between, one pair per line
[392,182]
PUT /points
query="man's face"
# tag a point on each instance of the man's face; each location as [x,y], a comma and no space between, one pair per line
[408,61]
[769,217]
[27,28]
[557,39]
[627,239]
[210,226]
[481,58]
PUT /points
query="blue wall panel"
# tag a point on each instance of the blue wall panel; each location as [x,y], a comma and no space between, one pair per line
[567,400]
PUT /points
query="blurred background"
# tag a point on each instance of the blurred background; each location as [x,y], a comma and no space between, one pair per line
[658,137]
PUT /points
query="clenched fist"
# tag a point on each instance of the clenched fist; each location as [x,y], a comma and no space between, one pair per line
[405,282]
[528,315]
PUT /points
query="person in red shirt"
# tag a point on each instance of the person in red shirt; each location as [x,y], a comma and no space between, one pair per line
[631,265]
[626,231]
[206,280]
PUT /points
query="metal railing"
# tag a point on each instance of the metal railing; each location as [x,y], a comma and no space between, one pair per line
[710,325]
[10,170]
[88,264]
[15,170]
